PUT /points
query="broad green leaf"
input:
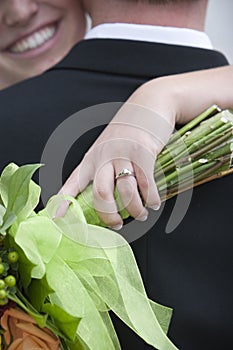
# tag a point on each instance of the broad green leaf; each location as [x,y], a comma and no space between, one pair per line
[25,267]
[5,178]
[2,213]
[39,291]
[16,191]
[77,345]
[66,324]
[32,202]
[7,222]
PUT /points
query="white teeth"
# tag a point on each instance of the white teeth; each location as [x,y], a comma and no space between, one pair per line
[33,41]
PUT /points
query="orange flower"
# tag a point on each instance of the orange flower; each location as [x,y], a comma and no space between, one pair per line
[22,333]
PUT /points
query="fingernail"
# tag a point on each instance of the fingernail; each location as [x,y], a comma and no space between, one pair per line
[117,227]
[155,207]
[143,218]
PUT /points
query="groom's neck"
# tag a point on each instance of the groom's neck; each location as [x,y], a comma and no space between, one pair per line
[185,14]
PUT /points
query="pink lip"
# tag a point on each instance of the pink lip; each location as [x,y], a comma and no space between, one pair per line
[40,49]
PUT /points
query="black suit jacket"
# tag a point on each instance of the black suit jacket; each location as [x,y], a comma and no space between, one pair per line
[190,269]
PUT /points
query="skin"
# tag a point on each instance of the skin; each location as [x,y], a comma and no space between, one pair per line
[21,18]
[165,97]
[172,99]
[185,14]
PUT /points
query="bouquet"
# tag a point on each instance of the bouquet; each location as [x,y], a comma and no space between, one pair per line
[60,277]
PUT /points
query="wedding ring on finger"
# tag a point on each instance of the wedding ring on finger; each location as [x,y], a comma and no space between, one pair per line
[123,173]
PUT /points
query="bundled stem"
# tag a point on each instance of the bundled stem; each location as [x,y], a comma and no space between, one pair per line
[199,152]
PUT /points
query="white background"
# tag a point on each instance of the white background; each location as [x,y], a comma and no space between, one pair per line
[219,26]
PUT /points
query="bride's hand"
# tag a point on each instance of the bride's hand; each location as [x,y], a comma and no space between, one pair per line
[131,141]
[137,134]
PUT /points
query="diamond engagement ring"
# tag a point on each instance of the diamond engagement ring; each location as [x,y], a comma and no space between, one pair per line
[123,173]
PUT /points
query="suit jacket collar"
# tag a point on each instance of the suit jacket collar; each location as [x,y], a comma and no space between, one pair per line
[137,58]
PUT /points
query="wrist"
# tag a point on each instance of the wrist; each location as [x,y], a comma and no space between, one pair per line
[160,95]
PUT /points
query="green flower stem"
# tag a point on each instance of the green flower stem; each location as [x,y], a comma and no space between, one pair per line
[180,174]
[193,123]
[197,166]
[209,133]
[40,319]
[208,139]
[217,168]
[211,174]
[204,152]
[201,173]
[206,130]
[160,172]
[215,142]
[184,154]
[203,135]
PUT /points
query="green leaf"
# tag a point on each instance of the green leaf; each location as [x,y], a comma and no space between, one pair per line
[25,268]
[77,345]
[85,270]
[7,222]
[39,291]
[2,213]
[66,324]
[5,178]
[18,192]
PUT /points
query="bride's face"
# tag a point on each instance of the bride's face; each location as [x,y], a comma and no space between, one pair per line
[35,35]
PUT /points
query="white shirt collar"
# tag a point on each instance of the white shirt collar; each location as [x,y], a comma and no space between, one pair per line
[159,34]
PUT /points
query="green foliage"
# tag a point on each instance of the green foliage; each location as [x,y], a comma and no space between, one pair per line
[18,193]
[72,273]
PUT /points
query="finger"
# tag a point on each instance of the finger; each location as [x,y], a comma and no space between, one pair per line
[79,179]
[104,201]
[128,191]
[76,183]
[147,186]
[144,163]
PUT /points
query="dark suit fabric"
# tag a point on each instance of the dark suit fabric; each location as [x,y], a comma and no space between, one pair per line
[190,269]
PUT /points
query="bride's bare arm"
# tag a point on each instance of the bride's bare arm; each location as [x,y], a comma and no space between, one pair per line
[137,134]
[187,94]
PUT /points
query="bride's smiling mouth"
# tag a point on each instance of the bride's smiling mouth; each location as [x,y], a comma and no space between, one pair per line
[36,42]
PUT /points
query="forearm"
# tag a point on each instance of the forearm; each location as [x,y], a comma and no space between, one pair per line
[138,133]
[184,96]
